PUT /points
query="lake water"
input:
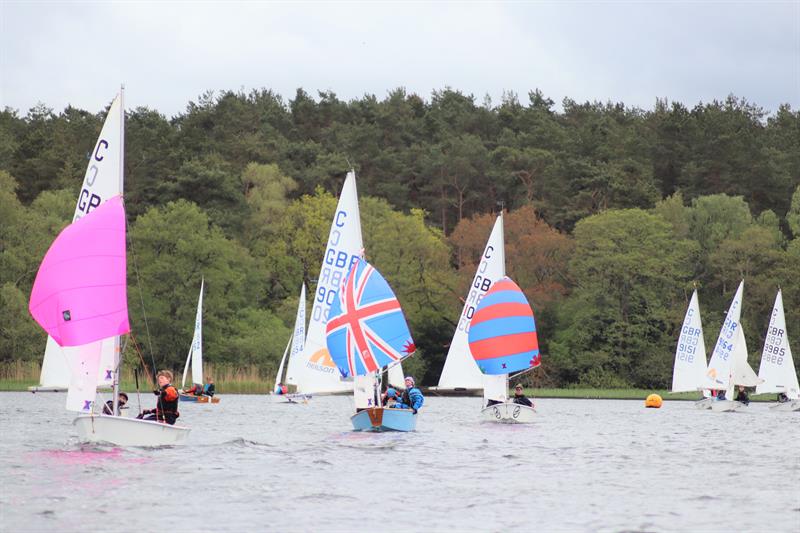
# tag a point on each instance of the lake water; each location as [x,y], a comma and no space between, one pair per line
[252,465]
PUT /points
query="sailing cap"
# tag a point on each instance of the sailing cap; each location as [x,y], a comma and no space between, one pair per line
[409,378]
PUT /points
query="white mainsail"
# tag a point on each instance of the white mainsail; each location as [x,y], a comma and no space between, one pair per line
[777,366]
[196,350]
[297,343]
[317,373]
[68,367]
[460,370]
[690,367]
[742,373]
[720,366]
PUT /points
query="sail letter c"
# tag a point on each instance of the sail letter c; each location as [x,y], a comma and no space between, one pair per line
[101,143]
[339,219]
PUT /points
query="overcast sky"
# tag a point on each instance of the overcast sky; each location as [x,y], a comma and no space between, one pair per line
[169,53]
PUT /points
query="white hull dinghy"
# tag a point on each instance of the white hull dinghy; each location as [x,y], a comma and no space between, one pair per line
[786,406]
[123,431]
[726,406]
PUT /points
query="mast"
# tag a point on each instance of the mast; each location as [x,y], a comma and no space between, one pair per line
[117,341]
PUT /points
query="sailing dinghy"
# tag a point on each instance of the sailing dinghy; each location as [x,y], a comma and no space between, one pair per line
[728,366]
[503,339]
[79,297]
[460,373]
[315,372]
[689,370]
[296,343]
[777,366]
[195,356]
[366,333]
[103,180]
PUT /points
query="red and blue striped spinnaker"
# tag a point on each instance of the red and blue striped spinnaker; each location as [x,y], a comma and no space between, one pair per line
[366,328]
[502,332]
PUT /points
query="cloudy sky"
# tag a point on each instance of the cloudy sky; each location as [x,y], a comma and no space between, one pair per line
[169,53]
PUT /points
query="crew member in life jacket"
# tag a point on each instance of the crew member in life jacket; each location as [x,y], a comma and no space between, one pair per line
[742,395]
[281,389]
[389,397]
[167,404]
[208,388]
[519,397]
[412,397]
[196,390]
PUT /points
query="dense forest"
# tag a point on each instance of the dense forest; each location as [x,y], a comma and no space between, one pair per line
[614,214]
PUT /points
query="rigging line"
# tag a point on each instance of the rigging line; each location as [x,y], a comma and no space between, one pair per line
[141,296]
[141,358]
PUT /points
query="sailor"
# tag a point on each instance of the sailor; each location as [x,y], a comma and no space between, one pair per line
[742,395]
[519,397]
[390,397]
[108,408]
[782,397]
[281,389]
[167,404]
[196,390]
[208,388]
[412,397]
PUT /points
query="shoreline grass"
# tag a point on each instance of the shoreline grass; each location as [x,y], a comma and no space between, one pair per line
[264,387]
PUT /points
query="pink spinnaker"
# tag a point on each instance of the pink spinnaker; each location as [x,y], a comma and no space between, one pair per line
[80,294]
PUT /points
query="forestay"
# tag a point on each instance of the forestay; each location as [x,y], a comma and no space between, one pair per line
[777,365]
[79,295]
[460,370]
[690,356]
[103,180]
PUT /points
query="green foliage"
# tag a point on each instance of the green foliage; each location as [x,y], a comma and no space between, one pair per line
[626,268]
[240,187]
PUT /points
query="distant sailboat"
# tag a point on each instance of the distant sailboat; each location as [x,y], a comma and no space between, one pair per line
[689,371]
[728,366]
[460,371]
[366,333]
[103,180]
[316,372]
[195,357]
[80,297]
[296,343]
[777,365]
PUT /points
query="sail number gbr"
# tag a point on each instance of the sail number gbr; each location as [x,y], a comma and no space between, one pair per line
[774,351]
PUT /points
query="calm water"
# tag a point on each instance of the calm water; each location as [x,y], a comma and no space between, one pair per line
[584,466]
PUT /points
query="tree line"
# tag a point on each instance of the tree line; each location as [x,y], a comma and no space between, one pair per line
[614,214]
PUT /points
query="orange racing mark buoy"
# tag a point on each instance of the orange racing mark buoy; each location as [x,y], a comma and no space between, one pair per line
[654,400]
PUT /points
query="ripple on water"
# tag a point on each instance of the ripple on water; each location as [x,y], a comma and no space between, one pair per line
[586,465]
